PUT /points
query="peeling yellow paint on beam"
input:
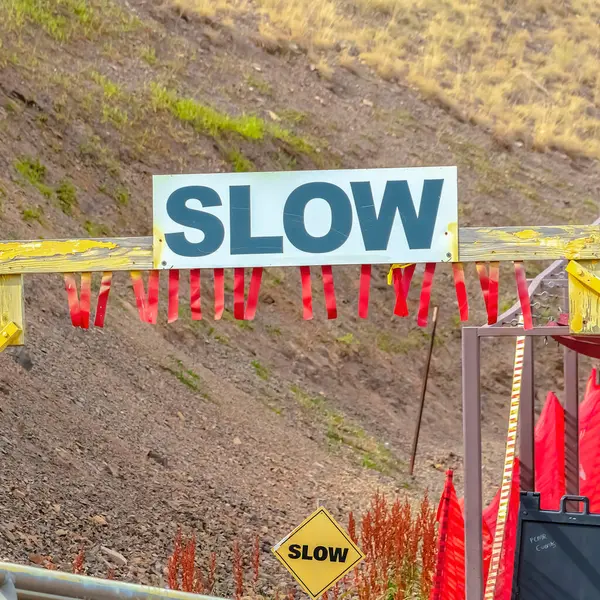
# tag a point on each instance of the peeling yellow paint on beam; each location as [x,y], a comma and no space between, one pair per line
[70,256]
[576,242]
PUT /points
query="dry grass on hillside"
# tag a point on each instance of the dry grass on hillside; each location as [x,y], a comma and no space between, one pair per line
[528,70]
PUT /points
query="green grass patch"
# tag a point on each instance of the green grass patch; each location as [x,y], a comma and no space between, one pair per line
[33,171]
[187,377]
[208,120]
[67,196]
[348,339]
[115,115]
[293,116]
[148,54]
[121,196]
[259,84]
[203,118]
[239,162]
[413,340]
[260,370]
[272,330]
[109,88]
[64,19]
[96,230]
[32,214]
[340,431]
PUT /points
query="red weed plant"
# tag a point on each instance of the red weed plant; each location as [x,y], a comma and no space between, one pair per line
[183,573]
[255,562]
[78,562]
[427,518]
[238,571]
[399,542]
[399,545]
[174,563]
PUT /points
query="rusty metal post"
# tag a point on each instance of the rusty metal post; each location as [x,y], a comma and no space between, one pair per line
[413,452]
[527,420]
[571,369]
[472,463]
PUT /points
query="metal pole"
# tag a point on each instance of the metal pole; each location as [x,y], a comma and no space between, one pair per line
[527,423]
[571,422]
[413,452]
[472,463]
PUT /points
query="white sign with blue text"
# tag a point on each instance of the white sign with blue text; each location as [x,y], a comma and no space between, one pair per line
[302,218]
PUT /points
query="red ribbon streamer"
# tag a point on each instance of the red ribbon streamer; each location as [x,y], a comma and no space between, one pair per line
[253,293]
[73,300]
[103,299]
[238,293]
[425,297]
[401,307]
[407,274]
[307,309]
[329,290]
[461,291]
[173,310]
[140,295]
[153,285]
[489,287]
[195,305]
[523,292]
[85,300]
[219,275]
[364,290]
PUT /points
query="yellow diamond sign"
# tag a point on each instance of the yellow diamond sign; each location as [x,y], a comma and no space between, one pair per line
[318,553]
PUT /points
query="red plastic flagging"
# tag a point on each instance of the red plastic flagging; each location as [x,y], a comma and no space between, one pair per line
[461,291]
[523,292]
[489,287]
[425,298]
[173,309]
[253,293]
[364,290]
[329,291]
[103,299]
[245,308]
[219,282]
[307,309]
[195,306]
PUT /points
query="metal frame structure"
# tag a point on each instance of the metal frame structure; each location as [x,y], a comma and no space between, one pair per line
[475,244]
[553,279]
[20,582]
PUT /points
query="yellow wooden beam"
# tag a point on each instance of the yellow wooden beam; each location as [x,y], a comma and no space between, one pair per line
[78,255]
[578,242]
[12,307]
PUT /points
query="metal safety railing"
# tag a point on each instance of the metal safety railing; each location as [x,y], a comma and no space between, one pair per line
[20,582]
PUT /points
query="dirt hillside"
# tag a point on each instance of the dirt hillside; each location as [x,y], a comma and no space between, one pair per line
[117,436]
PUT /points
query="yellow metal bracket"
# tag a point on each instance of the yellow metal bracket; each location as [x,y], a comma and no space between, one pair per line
[9,333]
[584,296]
[11,311]
[583,275]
